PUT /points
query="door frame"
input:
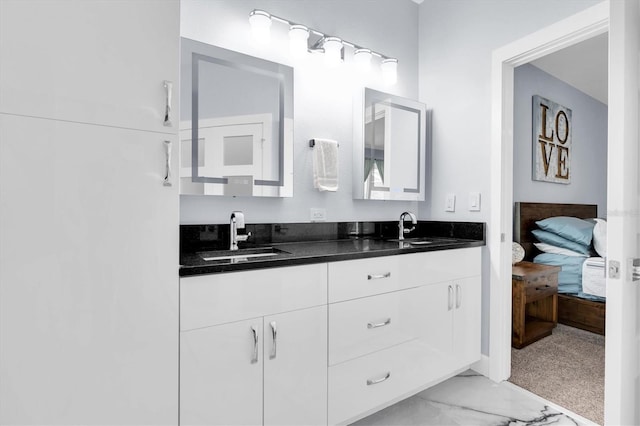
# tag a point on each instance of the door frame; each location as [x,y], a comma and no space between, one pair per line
[589,23]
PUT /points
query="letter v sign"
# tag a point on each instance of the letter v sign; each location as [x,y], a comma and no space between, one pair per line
[546,158]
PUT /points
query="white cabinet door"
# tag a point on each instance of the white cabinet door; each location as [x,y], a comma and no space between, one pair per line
[295,368]
[221,374]
[452,332]
[88,275]
[438,301]
[101,62]
[467,319]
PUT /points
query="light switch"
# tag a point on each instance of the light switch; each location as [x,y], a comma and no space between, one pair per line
[450,203]
[474,201]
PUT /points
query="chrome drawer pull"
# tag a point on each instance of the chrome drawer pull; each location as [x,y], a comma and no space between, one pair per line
[274,336]
[167,111]
[380,324]
[458,296]
[380,380]
[254,358]
[167,174]
[450,301]
[376,277]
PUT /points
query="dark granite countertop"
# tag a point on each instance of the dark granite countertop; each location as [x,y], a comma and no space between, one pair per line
[200,241]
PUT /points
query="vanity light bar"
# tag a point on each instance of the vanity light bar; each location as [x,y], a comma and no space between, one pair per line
[260,21]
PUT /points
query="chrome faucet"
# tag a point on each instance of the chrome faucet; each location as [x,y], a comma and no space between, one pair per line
[237,222]
[402,230]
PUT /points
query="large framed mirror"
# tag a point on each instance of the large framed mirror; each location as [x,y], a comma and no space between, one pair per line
[236,123]
[390,147]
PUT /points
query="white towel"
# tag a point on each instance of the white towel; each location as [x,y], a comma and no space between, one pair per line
[325,165]
[593,277]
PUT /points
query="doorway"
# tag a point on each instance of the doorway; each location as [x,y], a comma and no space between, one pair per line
[623,335]
[566,367]
[585,25]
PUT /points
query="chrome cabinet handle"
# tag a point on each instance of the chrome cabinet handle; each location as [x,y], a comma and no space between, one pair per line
[274,336]
[376,277]
[168,86]
[450,302]
[380,324]
[380,380]
[254,358]
[167,174]
[458,296]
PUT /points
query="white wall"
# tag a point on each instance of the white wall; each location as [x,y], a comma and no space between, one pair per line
[589,143]
[456,39]
[322,99]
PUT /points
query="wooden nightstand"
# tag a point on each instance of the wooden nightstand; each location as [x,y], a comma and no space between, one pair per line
[535,302]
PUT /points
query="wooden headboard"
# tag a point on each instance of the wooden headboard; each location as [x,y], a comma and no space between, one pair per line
[525,216]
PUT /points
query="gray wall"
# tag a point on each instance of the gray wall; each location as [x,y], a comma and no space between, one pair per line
[457,38]
[589,146]
[322,100]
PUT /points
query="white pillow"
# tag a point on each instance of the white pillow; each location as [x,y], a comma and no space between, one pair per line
[600,237]
[548,248]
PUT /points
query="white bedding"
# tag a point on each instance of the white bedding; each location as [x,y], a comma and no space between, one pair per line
[593,277]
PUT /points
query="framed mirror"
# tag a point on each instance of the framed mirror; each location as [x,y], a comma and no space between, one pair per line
[236,123]
[390,147]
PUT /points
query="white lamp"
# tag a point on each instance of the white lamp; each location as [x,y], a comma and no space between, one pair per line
[260,26]
[298,36]
[332,51]
[362,58]
[389,67]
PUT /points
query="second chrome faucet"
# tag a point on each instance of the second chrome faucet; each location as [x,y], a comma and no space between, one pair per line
[401,229]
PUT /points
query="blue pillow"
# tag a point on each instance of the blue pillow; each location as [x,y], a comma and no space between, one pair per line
[570,277]
[558,241]
[571,228]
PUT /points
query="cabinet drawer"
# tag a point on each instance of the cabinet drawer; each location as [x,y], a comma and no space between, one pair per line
[361,385]
[438,266]
[213,299]
[362,326]
[363,277]
[541,287]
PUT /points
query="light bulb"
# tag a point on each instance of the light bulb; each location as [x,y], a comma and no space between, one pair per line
[362,59]
[260,26]
[298,35]
[332,51]
[389,69]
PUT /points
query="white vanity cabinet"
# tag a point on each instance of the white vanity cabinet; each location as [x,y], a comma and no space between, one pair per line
[253,347]
[417,322]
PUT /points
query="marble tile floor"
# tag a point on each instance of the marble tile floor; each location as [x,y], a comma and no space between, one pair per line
[472,399]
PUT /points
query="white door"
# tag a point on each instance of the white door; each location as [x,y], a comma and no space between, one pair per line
[100,62]
[622,382]
[88,275]
[295,368]
[221,374]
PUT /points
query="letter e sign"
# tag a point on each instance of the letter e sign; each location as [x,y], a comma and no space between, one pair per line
[551,141]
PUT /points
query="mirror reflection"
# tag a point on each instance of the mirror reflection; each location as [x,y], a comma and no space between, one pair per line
[390,147]
[236,126]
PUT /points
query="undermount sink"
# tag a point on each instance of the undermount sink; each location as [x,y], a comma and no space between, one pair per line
[240,255]
[420,241]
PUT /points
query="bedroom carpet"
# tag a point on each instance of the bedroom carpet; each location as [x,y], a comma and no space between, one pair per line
[566,368]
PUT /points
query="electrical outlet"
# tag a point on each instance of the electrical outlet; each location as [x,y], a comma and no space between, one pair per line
[450,203]
[318,215]
[474,201]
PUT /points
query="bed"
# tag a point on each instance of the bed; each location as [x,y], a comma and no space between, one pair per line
[574,311]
